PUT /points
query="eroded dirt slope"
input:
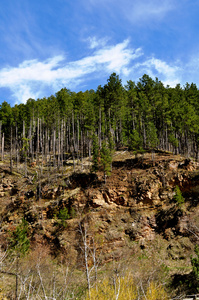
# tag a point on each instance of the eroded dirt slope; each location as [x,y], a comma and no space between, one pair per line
[134,209]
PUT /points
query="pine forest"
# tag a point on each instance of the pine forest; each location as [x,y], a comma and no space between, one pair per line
[139,116]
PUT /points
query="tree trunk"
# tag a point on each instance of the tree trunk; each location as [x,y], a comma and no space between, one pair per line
[0,137]
[54,148]
[77,139]
[37,151]
[59,148]
[16,147]
[2,152]
[11,149]
[82,148]
[100,128]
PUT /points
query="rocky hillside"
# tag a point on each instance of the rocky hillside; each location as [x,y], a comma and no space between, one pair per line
[137,211]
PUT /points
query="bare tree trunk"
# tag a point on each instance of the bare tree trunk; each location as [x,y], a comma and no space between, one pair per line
[46,151]
[41,143]
[67,135]
[73,125]
[82,149]
[33,141]
[78,139]
[54,148]
[62,142]
[30,141]
[59,144]
[37,151]
[24,148]
[17,147]
[120,131]
[100,128]
[144,134]
[85,249]
[0,137]
[2,152]
[73,155]
[73,152]
[166,138]
[89,145]
[11,150]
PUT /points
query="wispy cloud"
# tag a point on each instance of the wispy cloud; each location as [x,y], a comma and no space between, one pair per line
[146,10]
[172,73]
[32,77]
[137,11]
[94,42]
[191,69]
[168,74]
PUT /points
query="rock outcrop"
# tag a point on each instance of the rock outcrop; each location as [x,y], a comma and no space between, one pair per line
[136,204]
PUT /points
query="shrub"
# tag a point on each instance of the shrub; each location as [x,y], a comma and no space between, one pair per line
[195,266]
[156,292]
[62,216]
[19,241]
[178,196]
[120,288]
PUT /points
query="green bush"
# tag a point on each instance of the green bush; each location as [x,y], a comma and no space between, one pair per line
[19,242]
[178,198]
[64,215]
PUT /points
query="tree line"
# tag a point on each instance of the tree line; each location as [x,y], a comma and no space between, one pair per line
[142,115]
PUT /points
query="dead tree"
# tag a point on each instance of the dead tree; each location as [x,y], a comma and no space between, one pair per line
[89,250]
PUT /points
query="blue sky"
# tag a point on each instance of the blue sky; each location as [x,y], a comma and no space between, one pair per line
[47,45]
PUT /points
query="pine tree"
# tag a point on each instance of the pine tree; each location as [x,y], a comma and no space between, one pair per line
[19,242]
[135,142]
[179,199]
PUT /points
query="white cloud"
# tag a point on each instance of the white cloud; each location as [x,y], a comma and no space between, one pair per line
[94,42]
[191,70]
[169,75]
[32,77]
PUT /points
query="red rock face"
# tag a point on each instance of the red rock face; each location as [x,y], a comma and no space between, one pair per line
[136,204]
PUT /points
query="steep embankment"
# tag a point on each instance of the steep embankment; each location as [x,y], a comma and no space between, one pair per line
[134,213]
